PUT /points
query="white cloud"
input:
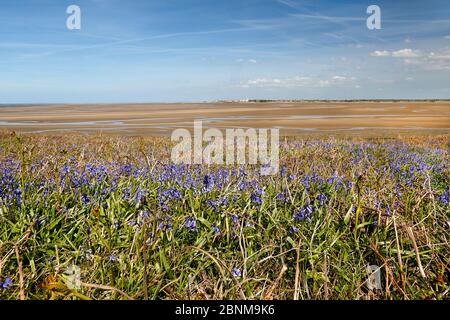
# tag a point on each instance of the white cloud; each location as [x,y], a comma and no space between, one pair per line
[447,37]
[259,81]
[355,46]
[437,60]
[403,53]
[297,81]
[301,78]
[411,61]
[253,61]
[383,53]
[440,56]
[339,78]
[288,3]
[431,61]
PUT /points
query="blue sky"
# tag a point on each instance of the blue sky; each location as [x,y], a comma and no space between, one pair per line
[197,50]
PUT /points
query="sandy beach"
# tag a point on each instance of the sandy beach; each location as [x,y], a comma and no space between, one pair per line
[291,118]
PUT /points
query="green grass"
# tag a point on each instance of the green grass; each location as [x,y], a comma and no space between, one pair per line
[384,205]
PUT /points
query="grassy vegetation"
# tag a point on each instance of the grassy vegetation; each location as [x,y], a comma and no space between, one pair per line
[141,228]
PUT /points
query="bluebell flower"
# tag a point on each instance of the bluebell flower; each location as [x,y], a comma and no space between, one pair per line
[208,183]
[236,273]
[132,223]
[293,230]
[144,214]
[37,221]
[126,169]
[388,210]
[150,238]
[85,200]
[6,283]
[126,193]
[281,196]
[282,171]
[322,198]
[190,224]
[444,197]
[256,198]
[242,185]
[215,228]
[249,224]
[140,194]
[303,213]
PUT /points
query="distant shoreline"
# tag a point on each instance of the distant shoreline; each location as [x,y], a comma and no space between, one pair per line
[289,117]
[2,105]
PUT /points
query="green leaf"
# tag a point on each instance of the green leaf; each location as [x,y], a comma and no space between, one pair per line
[165,263]
[348,215]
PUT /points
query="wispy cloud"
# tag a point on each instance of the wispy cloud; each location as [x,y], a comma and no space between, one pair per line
[289,3]
[382,53]
[402,53]
[137,40]
[298,81]
[405,53]
[30,45]
[274,47]
[431,60]
[328,18]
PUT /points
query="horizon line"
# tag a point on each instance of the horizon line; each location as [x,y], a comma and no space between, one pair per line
[220,101]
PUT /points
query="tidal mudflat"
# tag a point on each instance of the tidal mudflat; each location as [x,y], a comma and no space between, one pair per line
[291,118]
